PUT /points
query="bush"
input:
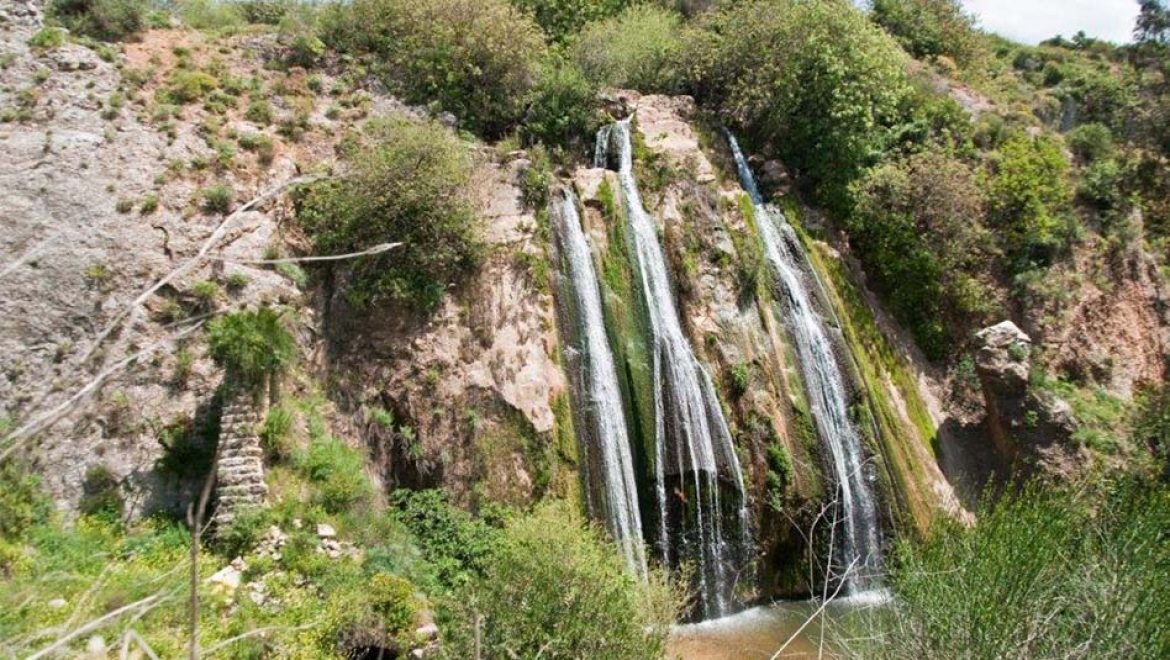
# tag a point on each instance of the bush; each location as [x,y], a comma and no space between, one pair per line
[274,434]
[457,545]
[475,58]
[918,229]
[1090,142]
[1007,587]
[638,48]
[101,493]
[558,588]
[1029,195]
[108,20]
[561,110]
[930,28]
[47,38]
[338,474]
[250,346]
[259,112]
[22,503]
[562,19]
[815,79]
[408,183]
[217,199]
[244,532]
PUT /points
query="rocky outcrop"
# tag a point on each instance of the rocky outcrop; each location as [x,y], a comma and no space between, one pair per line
[1027,426]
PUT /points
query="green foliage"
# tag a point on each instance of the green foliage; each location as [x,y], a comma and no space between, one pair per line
[244,532]
[562,19]
[186,86]
[779,474]
[538,178]
[47,38]
[1007,586]
[815,79]
[108,20]
[930,28]
[917,227]
[558,588]
[638,48]
[1152,424]
[457,545]
[217,198]
[475,58]
[1090,142]
[561,110]
[259,111]
[250,346]
[741,378]
[209,14]
[188,445]
[338,473]
[1029,197]
[101,493]
[274,434]
[408,183]
[22,503]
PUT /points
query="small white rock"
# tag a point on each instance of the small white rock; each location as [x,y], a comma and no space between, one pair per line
[57,603]
[326,531]
[429,631]
[226,578]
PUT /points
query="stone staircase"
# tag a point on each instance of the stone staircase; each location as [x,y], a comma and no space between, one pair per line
[240,471]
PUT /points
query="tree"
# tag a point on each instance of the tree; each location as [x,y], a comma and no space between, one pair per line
[930,28]
[1153,23]
[815,79]
[408,182]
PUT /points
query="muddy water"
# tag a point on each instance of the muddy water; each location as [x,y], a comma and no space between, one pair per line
[761,632]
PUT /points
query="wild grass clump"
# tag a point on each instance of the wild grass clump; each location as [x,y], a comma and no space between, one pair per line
[1044,573]
[251,346]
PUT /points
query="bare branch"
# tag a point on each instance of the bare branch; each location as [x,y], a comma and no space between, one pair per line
[149,602]
[377,249]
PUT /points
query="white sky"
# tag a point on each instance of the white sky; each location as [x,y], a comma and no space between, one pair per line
[1032,21]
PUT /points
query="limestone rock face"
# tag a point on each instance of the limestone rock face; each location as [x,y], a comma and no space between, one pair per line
[1027,427]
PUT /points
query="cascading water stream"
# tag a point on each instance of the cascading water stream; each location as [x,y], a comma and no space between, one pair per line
[693,448]
[600,398]
[825,384]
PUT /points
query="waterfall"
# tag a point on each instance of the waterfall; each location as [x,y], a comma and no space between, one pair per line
[694,458]
[825,384]
[599,399]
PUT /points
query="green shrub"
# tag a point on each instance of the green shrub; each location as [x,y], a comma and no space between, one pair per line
[918,229]
[243,533]
[1005,587]
[638,48]
[274,434]
[185,86]
[538,178]
[101,493]
[217,198]
[47,38]
[741,379]
[558,588]
[1101,185]
[562,109]
[930,28]
[457,545]
[188,446]
[22,503]
[259,111]
[209,14]
[338,474]
[206,292]
[562,19]
[149,205]
[1029,195]
[475,58]
[815,79]
[408,183]
[250,346]
[266,12]
[1090,142]
[108,20]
